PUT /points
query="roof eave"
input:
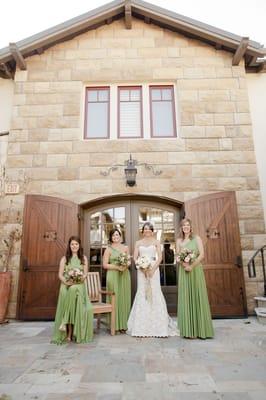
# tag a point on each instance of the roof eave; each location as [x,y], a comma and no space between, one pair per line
[105,14]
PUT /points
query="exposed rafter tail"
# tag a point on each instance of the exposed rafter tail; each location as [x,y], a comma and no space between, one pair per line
[240,51]
[128,14]
[20,61]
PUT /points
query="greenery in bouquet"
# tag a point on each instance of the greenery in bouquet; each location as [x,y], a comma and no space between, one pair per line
[186,255]
[74,276]
[143,262]
[123,260]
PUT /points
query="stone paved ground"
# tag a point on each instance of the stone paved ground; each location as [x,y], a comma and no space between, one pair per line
[230,367]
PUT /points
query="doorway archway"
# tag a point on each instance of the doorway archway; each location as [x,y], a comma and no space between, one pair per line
[128,214]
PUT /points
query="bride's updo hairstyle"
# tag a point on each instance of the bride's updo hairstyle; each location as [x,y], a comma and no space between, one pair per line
[149,225]
[182,223]
[112,232]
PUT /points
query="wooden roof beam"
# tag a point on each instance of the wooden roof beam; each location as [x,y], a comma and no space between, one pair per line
[252,61]
[7,71]
[147,20]
[240,51]
[18,57]
[40,50]
[128,14]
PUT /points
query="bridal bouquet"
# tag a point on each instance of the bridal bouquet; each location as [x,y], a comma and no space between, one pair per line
[74,275]
[145,263]
[123,260]
[186,255]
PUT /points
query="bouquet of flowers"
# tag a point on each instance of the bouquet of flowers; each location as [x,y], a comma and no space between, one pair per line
[74,275]
[186,255]
[145,263]
[123,260]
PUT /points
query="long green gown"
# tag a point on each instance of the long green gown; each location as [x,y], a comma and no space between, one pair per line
[73,307]
[119,283]
[194,316]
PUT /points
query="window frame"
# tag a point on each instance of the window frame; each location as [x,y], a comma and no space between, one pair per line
[91,88]
[151,87]
[128,87]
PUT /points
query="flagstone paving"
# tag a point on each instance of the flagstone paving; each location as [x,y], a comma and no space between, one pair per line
[232,366]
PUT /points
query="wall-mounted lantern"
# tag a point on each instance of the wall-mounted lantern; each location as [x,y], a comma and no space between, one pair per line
[130,170]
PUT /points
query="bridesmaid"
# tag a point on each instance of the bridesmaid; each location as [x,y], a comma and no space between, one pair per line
[74,316]
[194,316]
[118,279]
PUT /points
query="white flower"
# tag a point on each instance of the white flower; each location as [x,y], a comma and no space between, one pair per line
[143,262]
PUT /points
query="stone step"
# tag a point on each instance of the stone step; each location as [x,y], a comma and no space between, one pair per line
[261,301]
[261,314]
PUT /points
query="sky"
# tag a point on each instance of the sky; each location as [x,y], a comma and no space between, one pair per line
[21,19]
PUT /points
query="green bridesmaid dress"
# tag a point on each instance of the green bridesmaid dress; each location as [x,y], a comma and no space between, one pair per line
[119,283]
[193,314]
[73,307]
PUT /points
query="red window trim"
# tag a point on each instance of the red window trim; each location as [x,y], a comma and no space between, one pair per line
[119,88]
[173,110]
[87,89]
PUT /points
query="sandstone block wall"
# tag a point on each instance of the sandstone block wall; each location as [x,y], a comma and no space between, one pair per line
[213,151]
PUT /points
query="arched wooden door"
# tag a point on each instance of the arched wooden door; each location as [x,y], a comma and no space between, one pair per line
[216,221]
[48,224]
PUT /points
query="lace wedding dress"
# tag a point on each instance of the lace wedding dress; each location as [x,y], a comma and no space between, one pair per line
[148,316]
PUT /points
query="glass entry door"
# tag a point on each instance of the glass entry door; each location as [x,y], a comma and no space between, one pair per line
[129,217]
[98,224]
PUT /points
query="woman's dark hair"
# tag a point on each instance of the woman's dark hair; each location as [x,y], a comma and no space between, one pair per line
[149,225]
[181,233]
[112,232]
[80,250]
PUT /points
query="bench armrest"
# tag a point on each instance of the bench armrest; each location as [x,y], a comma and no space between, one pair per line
[107,292]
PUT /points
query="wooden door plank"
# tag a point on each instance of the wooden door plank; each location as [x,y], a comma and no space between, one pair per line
[215,219]
[48,224]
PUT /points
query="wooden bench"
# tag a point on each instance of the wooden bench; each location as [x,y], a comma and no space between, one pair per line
[95,294]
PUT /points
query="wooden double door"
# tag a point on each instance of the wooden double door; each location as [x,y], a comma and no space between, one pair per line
[49,222]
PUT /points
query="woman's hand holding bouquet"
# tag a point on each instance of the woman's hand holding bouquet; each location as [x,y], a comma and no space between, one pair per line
[74,276]
[186,258]
[144,264]
[122,262]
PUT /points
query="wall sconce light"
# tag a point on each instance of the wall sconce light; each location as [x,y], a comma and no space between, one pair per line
[130,170]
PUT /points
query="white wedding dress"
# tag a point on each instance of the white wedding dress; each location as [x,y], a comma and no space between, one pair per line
[148,316]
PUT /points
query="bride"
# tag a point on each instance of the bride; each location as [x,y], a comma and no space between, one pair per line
[148,316]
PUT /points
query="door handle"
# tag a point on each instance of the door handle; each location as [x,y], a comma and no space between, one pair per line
[239,262]
[25,265]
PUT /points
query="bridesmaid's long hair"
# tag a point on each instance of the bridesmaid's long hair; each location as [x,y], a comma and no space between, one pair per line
[69,251]
[181,233]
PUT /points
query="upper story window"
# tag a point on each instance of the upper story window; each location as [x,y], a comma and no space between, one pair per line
[130,112]
[97,113]
[162,111]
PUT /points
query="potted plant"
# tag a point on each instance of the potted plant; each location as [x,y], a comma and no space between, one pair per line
[5,275]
